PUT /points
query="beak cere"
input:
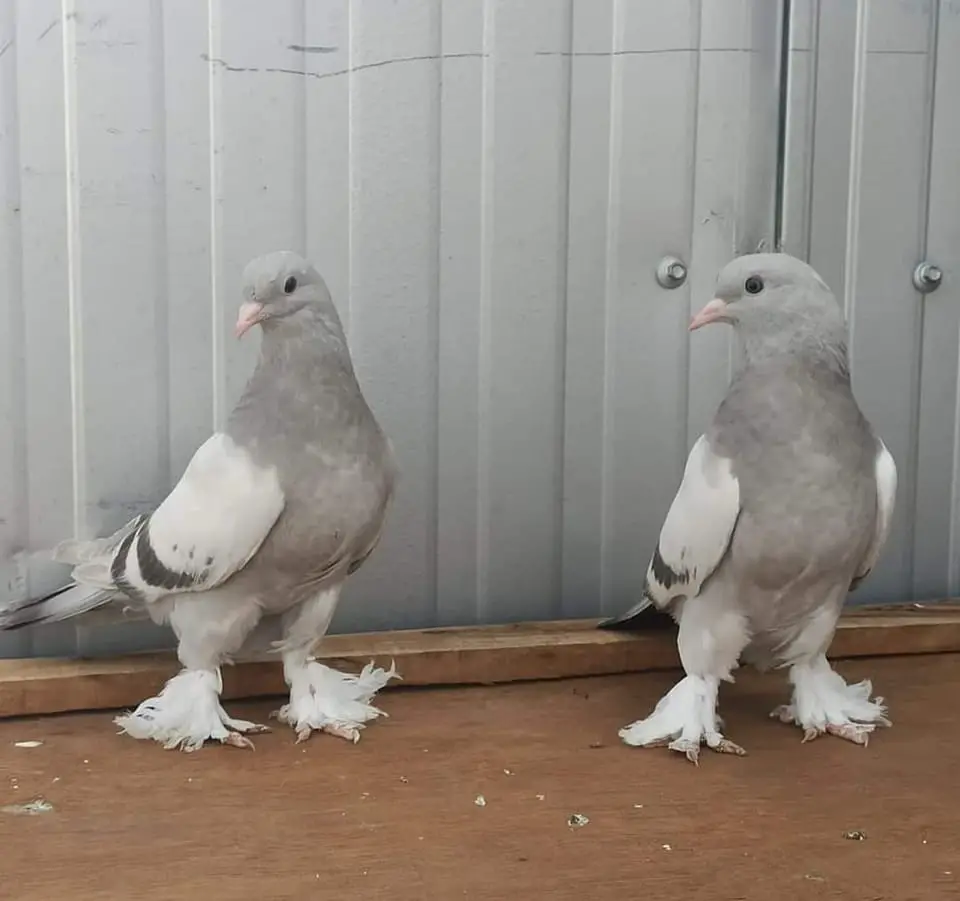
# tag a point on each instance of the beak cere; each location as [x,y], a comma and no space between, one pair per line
[712,312]
[249,315]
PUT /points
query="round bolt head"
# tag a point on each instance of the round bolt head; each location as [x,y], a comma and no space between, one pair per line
[671,273]
[927,277]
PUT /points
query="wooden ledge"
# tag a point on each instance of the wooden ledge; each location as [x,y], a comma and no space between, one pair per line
[451,656]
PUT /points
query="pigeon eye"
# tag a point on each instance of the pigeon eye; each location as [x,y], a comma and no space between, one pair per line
[290,285]
[753,285]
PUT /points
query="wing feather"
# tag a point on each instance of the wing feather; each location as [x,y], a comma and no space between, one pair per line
[886,475]
[698,528]
[206,530]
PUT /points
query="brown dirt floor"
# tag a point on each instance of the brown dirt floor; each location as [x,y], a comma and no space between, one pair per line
[395,817]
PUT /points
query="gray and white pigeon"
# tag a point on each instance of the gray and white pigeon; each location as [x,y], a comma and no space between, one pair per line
[269,518]
[784,507]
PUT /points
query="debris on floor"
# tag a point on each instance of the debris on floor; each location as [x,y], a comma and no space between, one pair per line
[577,820]
[855,835]
[30,809]
[480,801]
[27,744]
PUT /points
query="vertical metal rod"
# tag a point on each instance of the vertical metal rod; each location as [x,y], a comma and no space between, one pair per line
[786,21]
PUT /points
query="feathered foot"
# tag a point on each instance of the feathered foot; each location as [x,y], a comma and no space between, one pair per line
[187,713]
[683,720]
[326,700]
[823,703]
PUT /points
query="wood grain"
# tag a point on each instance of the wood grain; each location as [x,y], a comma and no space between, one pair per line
[394,818]
[451,656]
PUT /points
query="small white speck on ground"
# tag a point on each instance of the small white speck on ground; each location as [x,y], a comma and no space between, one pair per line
[577,820]
[638,807]
[508,772]
[855,835]
[667,847]
[480,801]
[27,744]
[30,809]
[56,778]
[404,779]
[86,761]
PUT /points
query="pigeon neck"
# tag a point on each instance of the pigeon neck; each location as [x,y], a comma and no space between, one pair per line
[824,348]
[314,329]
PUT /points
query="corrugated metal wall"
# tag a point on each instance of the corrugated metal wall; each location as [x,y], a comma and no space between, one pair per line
[487,186]
[873,189]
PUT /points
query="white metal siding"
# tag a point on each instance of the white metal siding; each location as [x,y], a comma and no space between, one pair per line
[872,191]
[487,186]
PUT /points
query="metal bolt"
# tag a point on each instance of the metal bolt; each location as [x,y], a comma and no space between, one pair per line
[671,273]
[927,277]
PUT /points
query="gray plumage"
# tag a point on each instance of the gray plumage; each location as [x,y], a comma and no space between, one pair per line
[270,517]
[785,505]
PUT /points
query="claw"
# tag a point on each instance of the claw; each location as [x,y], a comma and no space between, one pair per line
[691,749]
[858,733]
[725,746]
[256,729]
[237,740]
[346,732]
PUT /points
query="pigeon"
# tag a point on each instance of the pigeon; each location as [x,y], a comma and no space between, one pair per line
[269,518]
[784,507]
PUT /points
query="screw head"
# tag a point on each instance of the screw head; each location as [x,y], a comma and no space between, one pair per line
[927,277]
[671,273]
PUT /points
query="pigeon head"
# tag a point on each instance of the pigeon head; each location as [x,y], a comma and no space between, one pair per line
[770,293]
[277,286]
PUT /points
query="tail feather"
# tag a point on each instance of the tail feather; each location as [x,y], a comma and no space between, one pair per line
[76,552]
[644,616]
[73,600]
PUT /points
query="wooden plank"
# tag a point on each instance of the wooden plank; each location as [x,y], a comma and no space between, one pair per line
[450,656]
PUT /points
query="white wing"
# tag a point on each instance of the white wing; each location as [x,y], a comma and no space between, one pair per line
[886,474]
[698,527]
[207,529]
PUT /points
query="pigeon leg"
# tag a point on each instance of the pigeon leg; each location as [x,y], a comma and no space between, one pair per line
[710,641]
[322,699]
[823,703]
[187,711]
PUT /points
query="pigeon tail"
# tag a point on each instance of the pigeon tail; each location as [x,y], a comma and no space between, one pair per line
[644,616]
[62,604]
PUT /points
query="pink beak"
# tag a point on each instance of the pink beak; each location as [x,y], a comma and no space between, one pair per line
[249,315]
[712,312]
